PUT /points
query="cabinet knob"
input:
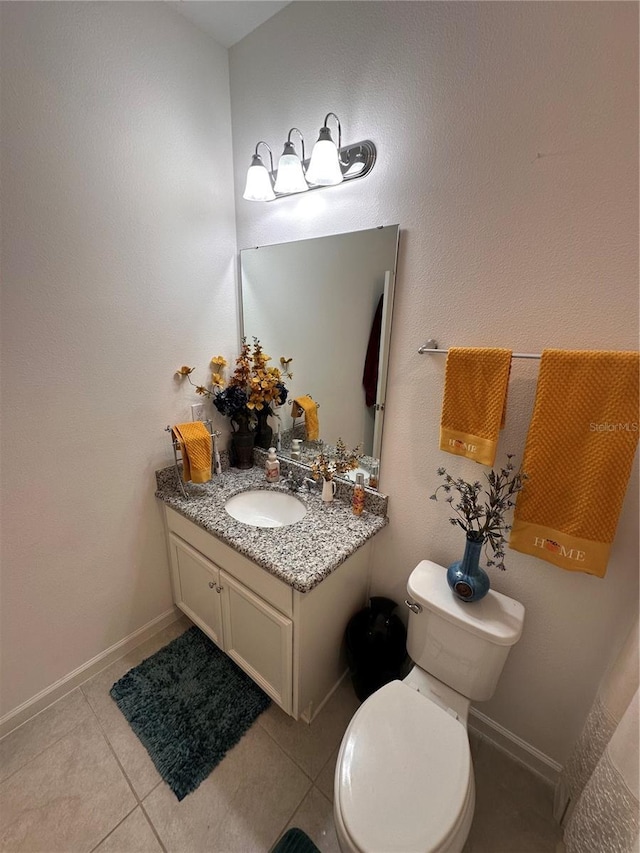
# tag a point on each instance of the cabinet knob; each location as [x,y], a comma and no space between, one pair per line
[218,589]
[212,585]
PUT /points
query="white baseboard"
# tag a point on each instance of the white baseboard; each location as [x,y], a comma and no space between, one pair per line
[515,747]
[69,682]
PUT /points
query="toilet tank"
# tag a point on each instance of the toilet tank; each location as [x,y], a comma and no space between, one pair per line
[463,644]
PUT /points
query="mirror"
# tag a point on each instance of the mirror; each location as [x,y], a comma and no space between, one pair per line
[327,304]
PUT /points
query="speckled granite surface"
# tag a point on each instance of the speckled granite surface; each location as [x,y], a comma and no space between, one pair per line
[302,554]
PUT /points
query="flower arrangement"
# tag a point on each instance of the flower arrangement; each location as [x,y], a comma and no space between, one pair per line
[480,512]
[325,466]
[253,386]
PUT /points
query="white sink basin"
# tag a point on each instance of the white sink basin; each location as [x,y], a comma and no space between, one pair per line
[262,508]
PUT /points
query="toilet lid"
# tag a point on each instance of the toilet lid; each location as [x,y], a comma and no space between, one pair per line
[404,772]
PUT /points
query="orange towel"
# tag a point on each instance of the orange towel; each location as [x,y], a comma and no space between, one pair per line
[310,409]
[578,458]
[474,402]
[195,446]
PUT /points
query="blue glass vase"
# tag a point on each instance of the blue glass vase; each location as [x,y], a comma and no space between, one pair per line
[468,581]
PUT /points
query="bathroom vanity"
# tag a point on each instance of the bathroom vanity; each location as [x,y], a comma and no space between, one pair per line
[277,600]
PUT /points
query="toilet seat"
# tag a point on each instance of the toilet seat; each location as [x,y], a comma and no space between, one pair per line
[404,779]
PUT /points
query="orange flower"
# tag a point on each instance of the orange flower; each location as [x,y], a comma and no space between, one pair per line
[251,381]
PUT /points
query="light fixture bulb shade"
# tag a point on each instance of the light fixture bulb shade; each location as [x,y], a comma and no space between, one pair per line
[290,178]
[324,168]
[258,186]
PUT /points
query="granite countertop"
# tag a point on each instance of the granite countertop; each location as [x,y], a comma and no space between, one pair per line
[302,554]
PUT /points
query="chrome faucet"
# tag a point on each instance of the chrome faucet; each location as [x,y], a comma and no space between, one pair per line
[310,483]
[294,481]
[297,482]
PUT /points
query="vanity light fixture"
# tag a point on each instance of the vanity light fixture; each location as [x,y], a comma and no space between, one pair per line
[330,164]
[258,186]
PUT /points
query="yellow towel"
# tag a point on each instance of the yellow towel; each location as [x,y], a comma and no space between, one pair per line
[307,406]
[195,446]
[474,402]
[578,457]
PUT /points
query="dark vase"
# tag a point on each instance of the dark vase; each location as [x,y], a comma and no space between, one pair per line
[466,578]
[264,432]
[242,442]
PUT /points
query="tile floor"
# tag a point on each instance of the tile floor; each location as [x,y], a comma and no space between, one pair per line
[75,778]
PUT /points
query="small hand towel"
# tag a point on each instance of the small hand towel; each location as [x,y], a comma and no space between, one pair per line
[195,446]
[307,406]
[578,457]
[474,402]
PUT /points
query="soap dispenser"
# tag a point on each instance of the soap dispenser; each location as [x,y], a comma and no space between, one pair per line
[272,467]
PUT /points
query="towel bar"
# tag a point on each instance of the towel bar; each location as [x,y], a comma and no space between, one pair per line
[290,402]
[214,433]
[294,419]
[432,346]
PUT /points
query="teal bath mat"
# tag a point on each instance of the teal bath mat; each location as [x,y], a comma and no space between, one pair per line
[295,841]
[189,704]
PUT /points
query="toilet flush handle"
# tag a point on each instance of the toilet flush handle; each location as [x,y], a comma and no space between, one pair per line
[413,605]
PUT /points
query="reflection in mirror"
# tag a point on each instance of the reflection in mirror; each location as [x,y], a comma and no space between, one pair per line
[327,304]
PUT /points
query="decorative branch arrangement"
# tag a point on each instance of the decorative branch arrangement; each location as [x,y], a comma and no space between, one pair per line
[325,465]
[480,512]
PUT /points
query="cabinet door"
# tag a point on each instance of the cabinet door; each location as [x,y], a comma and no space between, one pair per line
[196,588]
[259,639]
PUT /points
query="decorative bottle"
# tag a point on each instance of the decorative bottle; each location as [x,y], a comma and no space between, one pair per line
[374,475]
[272,467]
[357,502]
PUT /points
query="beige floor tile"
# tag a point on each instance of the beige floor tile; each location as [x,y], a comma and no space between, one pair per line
[131,753]
[324,782]
[133,835]
[241,806]
[514,807]
[314,816]
[67,798]
[500,775]
[310,746]
[64,792]
[41,732]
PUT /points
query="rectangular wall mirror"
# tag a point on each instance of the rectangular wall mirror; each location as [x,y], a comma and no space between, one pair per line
[327,303]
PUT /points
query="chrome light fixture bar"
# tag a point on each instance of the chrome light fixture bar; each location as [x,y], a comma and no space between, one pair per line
[330,164]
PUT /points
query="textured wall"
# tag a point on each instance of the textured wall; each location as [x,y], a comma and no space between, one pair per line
[508,152]
[117,267]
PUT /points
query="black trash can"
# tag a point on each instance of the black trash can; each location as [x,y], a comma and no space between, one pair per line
[376,641]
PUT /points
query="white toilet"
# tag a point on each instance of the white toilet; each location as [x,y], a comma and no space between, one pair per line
[404,779]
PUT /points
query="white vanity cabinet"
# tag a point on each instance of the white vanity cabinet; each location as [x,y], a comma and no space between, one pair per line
[289,642]
[197,587]
[255,635]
